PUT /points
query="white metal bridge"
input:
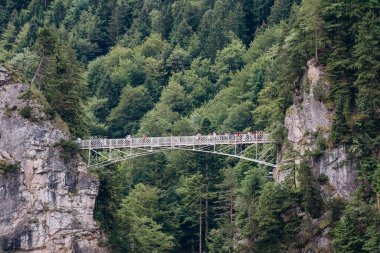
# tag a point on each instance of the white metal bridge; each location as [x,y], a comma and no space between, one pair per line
[256,147]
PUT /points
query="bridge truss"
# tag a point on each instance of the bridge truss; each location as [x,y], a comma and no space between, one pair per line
[256,147]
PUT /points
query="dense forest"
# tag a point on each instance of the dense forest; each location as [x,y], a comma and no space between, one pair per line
[181,67]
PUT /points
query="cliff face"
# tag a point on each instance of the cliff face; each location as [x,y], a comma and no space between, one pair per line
[46,203]
[308,122]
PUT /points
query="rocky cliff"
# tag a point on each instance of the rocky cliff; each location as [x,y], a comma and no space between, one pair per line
[309,122]
[46,201]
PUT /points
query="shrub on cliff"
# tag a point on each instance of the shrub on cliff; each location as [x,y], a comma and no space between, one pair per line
[26,112]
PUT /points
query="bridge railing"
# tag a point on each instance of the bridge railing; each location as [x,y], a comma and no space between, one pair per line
[175,141]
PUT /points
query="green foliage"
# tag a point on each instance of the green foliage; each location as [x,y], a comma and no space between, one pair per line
[372,243]
[320,145]
[319,92]
[69,150]
[278,133]
[138,222]
[264,40]
[25,63]
[355,231]
[311,199]
[162,68]
[159,121]
[9,110]
[239,117]
[124,118]
[26,112]
[248,195]
[8,168]
[174,97]
[376,179]
[277,218]
[179,60]
[59,79]
[218,24]
[230,58]
[221,240]
[351,60]
[323,179]
[336,206]
[280,10]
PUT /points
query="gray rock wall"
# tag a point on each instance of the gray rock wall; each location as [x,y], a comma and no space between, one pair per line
[46,206]
[306,118]
[5,76]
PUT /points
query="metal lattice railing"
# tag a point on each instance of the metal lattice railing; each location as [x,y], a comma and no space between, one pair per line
[176,141]
[249,146]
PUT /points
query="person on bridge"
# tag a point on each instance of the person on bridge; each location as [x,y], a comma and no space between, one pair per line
[129,138]
[249,136]
[198,137]
[227,136]
[78,141]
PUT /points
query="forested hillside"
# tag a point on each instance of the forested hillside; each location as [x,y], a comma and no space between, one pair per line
[181,67]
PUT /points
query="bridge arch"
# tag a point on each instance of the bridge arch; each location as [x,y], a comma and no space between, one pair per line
[255,147]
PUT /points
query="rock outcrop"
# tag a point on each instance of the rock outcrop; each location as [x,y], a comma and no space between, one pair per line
[46,201]
[309,123]
[5,76]
[307,120]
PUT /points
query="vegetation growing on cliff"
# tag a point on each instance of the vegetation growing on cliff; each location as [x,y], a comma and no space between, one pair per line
[7,168]
[113,68]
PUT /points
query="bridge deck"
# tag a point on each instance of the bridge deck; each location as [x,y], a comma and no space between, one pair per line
[176,141]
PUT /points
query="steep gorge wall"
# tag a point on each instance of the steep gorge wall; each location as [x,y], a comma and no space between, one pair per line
[306,120]
[47,204]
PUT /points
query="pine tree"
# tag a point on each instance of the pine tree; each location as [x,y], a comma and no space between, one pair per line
[372,243]
[275,200]
[367,64]
[46,47]
[133,104]
[311,198]
[345,240]
[8,37]
[192,190]
[355,228]
[218,24]
[140,232]
[58,76]
[22,38]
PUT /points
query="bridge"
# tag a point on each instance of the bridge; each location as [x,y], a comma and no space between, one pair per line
[255,147]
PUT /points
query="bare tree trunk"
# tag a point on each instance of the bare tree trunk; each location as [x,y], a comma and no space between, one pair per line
[294,171]
[206,204]
[231,208]
[232,217]
[316,45]
[200,225]
[38,69]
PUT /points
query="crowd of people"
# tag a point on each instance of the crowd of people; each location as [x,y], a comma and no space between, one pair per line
[249,136]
